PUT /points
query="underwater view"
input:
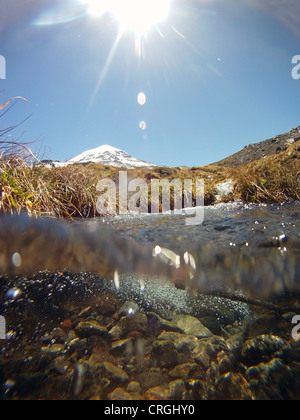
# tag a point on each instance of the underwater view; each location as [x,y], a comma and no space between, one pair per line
[214,313]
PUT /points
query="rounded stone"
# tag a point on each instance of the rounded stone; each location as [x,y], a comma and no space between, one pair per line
[55,350]
[114,372]
[164,354]
[86,329]
[261,348]
[119,395]
[184,371]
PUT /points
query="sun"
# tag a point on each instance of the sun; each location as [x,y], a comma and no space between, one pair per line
[134,15]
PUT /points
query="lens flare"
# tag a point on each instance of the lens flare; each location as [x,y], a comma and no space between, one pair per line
[136,16]
[143,125]
[142,99]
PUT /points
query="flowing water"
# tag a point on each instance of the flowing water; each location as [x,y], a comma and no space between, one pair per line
[147,307]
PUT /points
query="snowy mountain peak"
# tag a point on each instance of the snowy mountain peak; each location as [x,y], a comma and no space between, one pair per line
[111,156]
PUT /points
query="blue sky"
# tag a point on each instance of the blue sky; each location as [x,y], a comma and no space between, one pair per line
[216,74]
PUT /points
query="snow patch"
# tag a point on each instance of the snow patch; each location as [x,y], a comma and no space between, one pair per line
[111,156]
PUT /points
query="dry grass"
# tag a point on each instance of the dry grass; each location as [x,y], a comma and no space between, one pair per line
[275,179]
[71,191]
[63,192]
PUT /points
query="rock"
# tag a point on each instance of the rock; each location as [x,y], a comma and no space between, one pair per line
[134,387]
[184,371]
[164,354]
[203,360]
[122,346]
[212,324]
[177,389]
[105,383]
[173,391]
[149,380]
[191,326]
[288,317]
[157,323]
[207,350]
[116,332]
[137,322]
[196,389]
[213,374]
[58,336]
[212,346]
[183,343]
[79,346]
[128,308]
[85,312]
[233,386]
[106,304]
[60,365]
[71,336]
[55,350]
[224,362]
[114,373]
[119,395]
[263,325]
[158,393]
[264,371]
[235,343]
[86,329]
[260,150]
[275,380]
[261,349]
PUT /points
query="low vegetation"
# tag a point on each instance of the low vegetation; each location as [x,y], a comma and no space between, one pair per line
[275,179]
[69,192]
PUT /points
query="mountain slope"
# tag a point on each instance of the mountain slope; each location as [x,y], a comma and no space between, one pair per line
[263,149]
[110,156]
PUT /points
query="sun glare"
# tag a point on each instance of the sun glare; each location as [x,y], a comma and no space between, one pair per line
[135,15]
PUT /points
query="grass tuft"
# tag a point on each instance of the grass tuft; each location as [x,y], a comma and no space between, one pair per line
[70,192]
[275,179]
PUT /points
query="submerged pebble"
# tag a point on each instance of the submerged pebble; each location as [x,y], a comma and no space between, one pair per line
[150,358]
[191,326]
[86,329]
[55,350]
[114,372]
[77,336]
[262,348]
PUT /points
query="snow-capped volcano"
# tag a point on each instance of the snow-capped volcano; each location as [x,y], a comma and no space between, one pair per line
[108,155]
